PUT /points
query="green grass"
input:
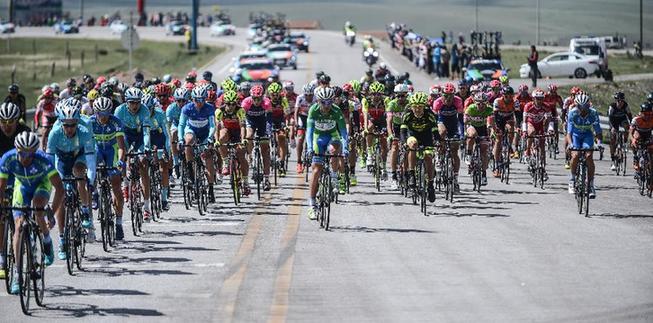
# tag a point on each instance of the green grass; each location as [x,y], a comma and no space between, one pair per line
[33,58]
[620,64]
[601,93]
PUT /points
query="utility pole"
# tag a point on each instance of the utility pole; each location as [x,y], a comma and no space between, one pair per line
[537,23]
[641,26]
[12,18]
[81,11]
[476,17]
[193,38]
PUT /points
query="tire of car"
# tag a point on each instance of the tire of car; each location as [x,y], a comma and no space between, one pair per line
[580,73]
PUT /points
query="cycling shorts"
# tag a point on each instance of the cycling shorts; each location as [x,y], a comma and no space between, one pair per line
[617,122]
[66,162]
[321,145]
[582,140]
[23,195]
[109,157]
[202,135]
[259,124]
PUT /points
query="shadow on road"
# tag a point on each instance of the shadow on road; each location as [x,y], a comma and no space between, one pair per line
[82,310]
[376,230]
[622,216]
[61,290]
[175,233]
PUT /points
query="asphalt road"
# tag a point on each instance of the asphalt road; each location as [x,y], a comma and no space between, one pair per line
[511,253]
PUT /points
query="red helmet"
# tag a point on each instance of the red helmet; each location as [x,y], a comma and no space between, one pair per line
[538,94]
[256,91]
[101,79]
[189,86]
[176,83]
[211,97]
[553,88]
[435,89]
[48,93]
[347,88]
[495,84]
[192,74]
[575,90]
[523,88]
[449,88]
[162,89]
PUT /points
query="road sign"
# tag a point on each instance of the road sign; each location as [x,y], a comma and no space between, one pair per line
[129,38]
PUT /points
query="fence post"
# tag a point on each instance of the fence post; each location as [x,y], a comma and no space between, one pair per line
[34,70]
[68,57]
[96,53]
[13,74]
[82,58]
[34,46]
[52,70]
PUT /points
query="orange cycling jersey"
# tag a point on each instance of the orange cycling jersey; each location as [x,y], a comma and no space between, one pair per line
[643,123]
[523,100]
[505,108]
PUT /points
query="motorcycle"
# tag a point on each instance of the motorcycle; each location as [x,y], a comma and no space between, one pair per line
[350,37]
[370,56]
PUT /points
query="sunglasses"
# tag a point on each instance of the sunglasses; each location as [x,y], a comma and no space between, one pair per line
[326,102]
[26,154]
[10,121]
[401,95]
[198,100]
[257,98]
[103,114]
[69,125]
[447,95]
[133,102]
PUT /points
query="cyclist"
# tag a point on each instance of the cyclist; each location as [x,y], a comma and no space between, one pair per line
[374,119]
[136,125]
[230,121]
[476,121]
[505,80]
[418,127]
[14,96]
[619,116]
[472,92]
[326,133]
[110,147]
[291,97]
[257,108]
[640,132]
[553,101]
[583,126]
[463,90]
[10,126]
[523,97]
[243,91]
[450,114]
[568,103]
[34,177]
[536,116]
[435,92]
[197,125]
[276,123]
[162,92]
[44,116]
[394,115]
[181,97]
[87,108]
[302,106]
[495,91]
[160,141]
[72,147]
[504,121]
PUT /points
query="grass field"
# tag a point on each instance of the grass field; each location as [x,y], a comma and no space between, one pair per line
[601,93]
[33,59]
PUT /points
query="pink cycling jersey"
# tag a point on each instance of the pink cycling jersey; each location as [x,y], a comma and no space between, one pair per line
[256,111]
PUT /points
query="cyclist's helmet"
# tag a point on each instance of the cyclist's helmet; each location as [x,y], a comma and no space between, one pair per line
[71,82]
[166,78]
[401,88]
[162,89]
[308,89]
[463,84]
[70,110]
[9,111]
[103,104]
[538,94]
[575,90]
[13,88]
[449,88]
[181,94]
[504,80]
[418,99]
[245,87]
[48,93]
[495,84]
[325,93]
[230,97]
[646,107]
[522,88]
[347,88]
[207,75]
[553,88]
[133,94]
[92,94]
[148,101]
[26,140]
[507,90]
[228,85]
[256,91]
[480,97]
[474,88]
[107,92]
[199,92]
[582,100]
[55,87]
[377,87]
[356,85]
[274,88]
[324,79]
[619,96]
[649,97]
[289,86]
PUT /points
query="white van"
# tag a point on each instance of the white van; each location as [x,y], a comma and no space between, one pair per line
[593,47]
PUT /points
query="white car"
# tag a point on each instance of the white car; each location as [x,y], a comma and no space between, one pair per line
[7,27]
[219,28]
[117,27]
[563,64]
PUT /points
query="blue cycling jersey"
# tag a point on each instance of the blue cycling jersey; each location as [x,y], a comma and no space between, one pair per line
[133,124]
[61,146]
[39,171]
[172,114]
[201,122]
[577,124]
[105,134]
[159,130]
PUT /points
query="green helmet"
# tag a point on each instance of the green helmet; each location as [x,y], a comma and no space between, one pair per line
[418,98]
[504,79]
[228,85]
[274,88]
[230,97]
[356,85]
[377,87]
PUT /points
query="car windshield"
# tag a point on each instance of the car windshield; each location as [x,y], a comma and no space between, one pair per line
[257,66]
[591,50]
[279,49]
[484,66]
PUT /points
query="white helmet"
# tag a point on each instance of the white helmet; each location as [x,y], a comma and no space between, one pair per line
[26,140]
[70,110]
[582,100]
[133,94]
[325,93]
[383,65]
[103,104]
[9,111]
[309,89]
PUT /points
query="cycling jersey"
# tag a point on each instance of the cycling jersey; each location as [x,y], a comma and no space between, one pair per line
[172,115]
[256,115]
[200,122]
[324,130]
[582,129]
[291,97]
[536,115]
[451,115]
[7,142]
[30,181]
[232,121]
[303,105]
[477,116]
[278,110]
[159,130]
[44,116]
[491,95]
[105,135]
[395,111]
[165,103]
[133,124]
[523,100]
[619,117]
[375,113]
[422,128]
[68,151]
[553,101]
[643,124]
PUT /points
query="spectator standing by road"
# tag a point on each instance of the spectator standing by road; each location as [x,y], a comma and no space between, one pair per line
[446,57]
[437,56]
[455,63]
[532,62]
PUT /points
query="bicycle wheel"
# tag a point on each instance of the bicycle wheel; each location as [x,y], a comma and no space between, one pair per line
[423,188]
[24,269]
[258,173]
[377,169]
[451,186]
[580,188]
[69,238]
[102,214]
[80,244]
[586,196]
[38,268]
[200,187]
[8,250]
